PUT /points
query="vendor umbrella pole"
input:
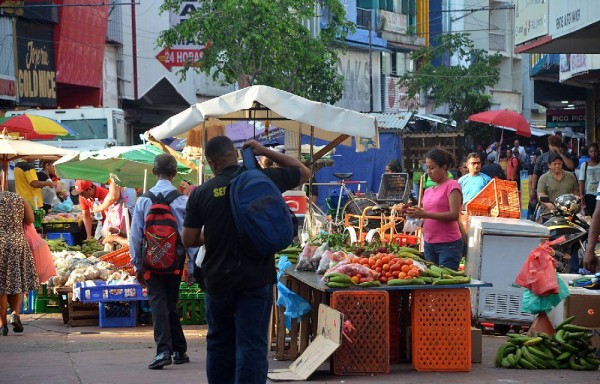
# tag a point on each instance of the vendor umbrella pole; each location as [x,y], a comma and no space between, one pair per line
[312,162]
[4,175]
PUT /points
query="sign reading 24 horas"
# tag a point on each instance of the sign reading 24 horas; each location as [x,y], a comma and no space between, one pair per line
[36,75]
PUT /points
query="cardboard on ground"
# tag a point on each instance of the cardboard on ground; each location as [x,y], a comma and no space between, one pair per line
[327,341]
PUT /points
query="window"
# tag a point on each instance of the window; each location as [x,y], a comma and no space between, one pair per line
[88,128]
[387,5]
[386,63]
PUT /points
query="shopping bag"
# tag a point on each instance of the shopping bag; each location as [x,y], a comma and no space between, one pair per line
[533,303]
[295,306]
[42,256]
[538,273]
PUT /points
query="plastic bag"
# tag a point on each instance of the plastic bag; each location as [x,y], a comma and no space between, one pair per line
[305,259]
[42,256]
[412,224]
[324,263]
[295,306]
[114,220]
[49,196]
[65,206]
[533,303]
[538,273]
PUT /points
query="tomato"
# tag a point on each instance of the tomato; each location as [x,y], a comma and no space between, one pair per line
[379,263]
[402,275]
[411,273]
[395,267]
[385,259]
[355,279]
[386,267]
[371,262]
[405,268]
[408,261]
[396,274]
[383,279]
[378,269]
[388,275]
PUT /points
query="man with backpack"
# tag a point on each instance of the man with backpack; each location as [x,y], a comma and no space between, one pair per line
[237,277]
[158,255]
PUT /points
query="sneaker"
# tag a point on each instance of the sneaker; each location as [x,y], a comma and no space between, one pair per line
[15,320]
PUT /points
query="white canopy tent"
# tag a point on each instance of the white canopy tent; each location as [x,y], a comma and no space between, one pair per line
[283,109]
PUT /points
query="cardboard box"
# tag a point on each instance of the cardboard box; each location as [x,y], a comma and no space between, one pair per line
[476,345]
[327,341]
[585,308]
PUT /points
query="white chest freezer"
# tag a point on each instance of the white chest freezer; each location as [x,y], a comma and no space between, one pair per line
[497,249]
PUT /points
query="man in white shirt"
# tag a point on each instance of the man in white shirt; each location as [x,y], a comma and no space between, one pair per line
[522,153]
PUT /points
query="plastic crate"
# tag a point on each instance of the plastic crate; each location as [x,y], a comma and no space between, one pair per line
[69,237]
[192,311]
[102,292]
[190,292]
[118,314]
[369,352]
[441,330]
[394,329]
[499,198]
[405,240]
[46,301]
[64,226]
[28,304]
[120,259]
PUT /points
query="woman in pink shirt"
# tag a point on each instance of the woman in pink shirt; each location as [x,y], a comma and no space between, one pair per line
[441,208]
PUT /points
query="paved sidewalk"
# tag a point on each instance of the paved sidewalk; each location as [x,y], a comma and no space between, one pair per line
[50,352]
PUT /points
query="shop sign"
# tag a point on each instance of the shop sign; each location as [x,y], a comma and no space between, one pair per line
[569,16]
[174,57]
[541,62]
[36,76]
[8,88]
[395,98]
[576,64]
[176,17]
[531,20]
[565,118]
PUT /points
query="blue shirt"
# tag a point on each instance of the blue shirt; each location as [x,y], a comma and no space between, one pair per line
[141,210]
[472,185]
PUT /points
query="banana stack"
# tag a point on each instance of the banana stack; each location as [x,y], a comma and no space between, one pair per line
[569,348]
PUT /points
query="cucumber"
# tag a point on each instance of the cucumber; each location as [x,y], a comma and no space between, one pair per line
[405,282]
[333,284]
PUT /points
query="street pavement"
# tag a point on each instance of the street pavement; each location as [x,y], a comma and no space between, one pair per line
[50,352]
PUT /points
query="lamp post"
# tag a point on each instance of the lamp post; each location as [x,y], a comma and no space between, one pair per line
[370,61]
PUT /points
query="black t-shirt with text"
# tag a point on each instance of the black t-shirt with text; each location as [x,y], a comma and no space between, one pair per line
[225,269]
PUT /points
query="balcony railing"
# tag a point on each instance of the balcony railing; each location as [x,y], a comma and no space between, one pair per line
[497,41]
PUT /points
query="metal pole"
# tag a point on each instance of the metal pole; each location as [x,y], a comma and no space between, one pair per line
[370,63]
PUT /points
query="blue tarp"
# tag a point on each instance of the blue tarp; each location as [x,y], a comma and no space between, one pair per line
[367,166]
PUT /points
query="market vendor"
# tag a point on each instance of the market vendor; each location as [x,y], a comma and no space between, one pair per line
[555,182]
[27,184]
[88,192]
[112,207]
[47,172]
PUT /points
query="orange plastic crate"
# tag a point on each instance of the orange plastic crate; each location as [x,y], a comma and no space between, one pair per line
[441,330]
[394,327]
[405,240]
[499,198]
[120,259]
[368,311]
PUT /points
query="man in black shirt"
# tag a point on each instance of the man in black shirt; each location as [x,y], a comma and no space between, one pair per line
[239,289]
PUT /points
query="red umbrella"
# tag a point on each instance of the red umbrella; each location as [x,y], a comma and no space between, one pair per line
[504,118]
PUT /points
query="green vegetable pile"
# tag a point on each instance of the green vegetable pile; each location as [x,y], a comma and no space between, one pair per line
[569,348]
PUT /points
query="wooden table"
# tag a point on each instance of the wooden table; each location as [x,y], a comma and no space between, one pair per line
[310,286]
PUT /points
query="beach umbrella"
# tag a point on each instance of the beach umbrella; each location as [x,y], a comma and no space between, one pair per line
[132,165]
[504,119]
[34,127]
[13,148]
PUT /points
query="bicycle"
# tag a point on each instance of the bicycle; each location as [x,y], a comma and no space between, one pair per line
[316,220]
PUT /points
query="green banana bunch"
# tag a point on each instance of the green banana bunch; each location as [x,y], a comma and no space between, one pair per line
[569,348]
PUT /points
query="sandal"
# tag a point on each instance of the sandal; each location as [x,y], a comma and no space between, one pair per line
[15,320]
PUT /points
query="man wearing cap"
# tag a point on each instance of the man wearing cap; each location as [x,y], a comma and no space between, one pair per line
[88,192]
[492,169]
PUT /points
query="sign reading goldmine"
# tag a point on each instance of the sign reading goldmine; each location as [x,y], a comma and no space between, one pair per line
[36,76]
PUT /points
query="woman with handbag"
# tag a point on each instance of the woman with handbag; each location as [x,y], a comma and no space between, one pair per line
[589,176]
[17,269]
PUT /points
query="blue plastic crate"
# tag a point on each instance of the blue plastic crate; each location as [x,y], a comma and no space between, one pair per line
[102,292]
[69,237]
[28,304]
[118,314]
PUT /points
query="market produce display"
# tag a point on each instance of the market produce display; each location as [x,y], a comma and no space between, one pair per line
[370,265]
[61,217]
[569,348]
[87,248]
[73,266]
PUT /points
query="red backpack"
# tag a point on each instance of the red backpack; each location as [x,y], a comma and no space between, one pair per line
[162,249]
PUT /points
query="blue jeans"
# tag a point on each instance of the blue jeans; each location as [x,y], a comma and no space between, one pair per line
[445,254]
[238,334]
